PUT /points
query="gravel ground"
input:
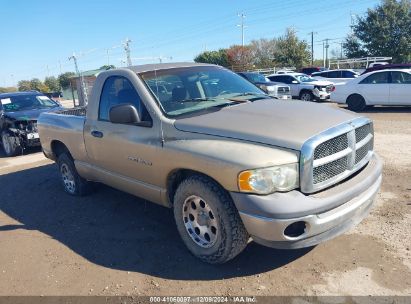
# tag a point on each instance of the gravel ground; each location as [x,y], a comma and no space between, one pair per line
[111,243]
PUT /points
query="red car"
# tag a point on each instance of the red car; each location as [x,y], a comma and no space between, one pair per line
[388,66]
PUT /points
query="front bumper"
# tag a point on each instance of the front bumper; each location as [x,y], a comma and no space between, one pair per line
[321,95]
[326,214]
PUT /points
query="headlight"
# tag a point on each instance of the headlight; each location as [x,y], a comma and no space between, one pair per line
[270,88]
[269,180]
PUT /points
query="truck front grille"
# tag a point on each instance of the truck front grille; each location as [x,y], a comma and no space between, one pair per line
[283,90]
[330,160]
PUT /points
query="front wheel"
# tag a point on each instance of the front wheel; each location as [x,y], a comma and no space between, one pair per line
[208,221]
[11,144]
[306,96]
[356,103]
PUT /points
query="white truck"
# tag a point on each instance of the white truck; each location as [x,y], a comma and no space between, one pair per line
[304,87]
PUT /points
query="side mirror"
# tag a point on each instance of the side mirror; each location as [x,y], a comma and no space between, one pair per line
[295,82]
[124,114]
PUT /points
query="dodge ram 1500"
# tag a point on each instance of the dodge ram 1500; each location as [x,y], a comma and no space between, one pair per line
[232,162]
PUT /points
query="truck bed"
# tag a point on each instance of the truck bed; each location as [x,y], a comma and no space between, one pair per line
[79,111]
[65,126]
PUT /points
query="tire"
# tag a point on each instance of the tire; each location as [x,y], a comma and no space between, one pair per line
[11,144]
[72,182]
[215,214]
[356,103]
[307,96]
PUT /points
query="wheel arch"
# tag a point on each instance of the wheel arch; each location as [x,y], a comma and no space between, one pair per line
[58,148]
[176,176]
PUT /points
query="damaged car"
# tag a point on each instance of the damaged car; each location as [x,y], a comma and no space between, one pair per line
[18,119]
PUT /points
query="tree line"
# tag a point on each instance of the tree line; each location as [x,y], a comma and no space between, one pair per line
[284,51]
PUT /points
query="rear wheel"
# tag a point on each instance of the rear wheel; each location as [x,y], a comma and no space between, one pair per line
[208,221]
[306,96]
[356,103]
[11,144]
[72,182]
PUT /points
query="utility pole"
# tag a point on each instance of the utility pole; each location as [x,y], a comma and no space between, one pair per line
[312,47]
[323,53]
[242,16]
[82,82]
[126,45]
[327,45]
[353,16]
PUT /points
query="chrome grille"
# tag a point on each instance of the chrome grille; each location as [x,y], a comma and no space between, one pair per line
[329,170]
[335,154]
[362,132]
[362,152]
[283,89]
[331,146]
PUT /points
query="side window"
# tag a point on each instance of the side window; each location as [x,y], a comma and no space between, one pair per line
[376,78]
[289,79]
[347,74]
[334,74]
[118,90]
[400,78]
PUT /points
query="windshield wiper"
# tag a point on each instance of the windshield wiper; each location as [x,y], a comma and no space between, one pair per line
[199,99]
[257,96]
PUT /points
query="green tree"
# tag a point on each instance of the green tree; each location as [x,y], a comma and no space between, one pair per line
[214,57]
[36,84]
[24,85]
[52,83]
[107,67]
[290,51]
[353,47]
[386,30]
[64,79]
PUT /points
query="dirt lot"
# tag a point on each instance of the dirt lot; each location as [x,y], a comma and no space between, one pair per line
[111,243]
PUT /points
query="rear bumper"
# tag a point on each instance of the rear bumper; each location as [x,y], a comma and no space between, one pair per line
[330,213]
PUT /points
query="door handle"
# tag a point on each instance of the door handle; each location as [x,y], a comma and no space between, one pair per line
[97,134]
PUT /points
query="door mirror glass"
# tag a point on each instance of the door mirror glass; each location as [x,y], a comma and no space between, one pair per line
[124,114]
[294,82]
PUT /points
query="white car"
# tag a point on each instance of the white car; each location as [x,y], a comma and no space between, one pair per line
[336,76]
[304,87]
[385,87]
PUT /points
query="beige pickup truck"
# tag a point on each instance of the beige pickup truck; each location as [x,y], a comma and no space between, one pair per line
[233,163]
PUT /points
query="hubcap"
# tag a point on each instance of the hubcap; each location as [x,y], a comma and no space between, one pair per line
[68,178]
[306,97]
[6,143]
[200,221]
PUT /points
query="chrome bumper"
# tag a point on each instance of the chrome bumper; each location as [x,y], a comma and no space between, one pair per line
[319,226]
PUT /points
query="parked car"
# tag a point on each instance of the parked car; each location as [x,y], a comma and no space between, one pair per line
[304,87]
[231,162]
[387,67]
[18,119]
[385,87]
[274,89]
[310,70]
[335,76]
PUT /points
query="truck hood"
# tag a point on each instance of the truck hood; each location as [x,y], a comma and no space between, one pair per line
[28,114]
[286,124]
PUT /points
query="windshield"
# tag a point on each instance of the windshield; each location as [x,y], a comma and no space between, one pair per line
[189,89]
[304,78]
[27,102]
